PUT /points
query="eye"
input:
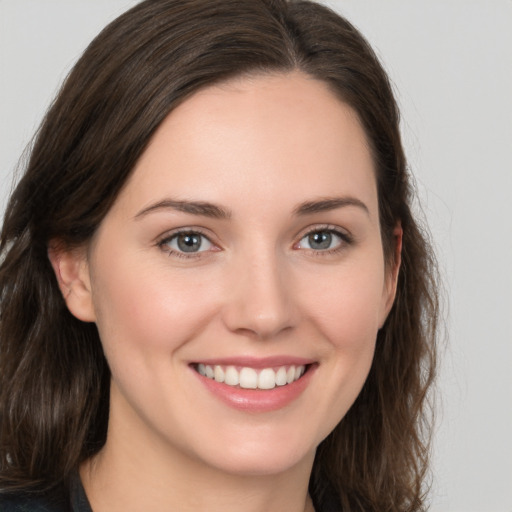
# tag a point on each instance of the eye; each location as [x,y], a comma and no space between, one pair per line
[322,240]
[186,242]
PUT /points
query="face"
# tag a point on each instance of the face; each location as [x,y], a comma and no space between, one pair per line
[238,282]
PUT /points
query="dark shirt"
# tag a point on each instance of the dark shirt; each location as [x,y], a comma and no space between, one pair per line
[72,499]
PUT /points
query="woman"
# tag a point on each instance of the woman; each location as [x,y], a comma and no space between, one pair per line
[213,288]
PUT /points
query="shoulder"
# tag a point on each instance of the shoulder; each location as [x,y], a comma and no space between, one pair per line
[22,502]
[66,497]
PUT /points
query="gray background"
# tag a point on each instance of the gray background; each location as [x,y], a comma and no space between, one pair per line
[451,63]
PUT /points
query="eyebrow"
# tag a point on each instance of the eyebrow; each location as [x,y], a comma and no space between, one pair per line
[217,212]
[193,207]
[329,203]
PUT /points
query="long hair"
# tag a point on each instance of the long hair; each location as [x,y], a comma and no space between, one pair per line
[54,379]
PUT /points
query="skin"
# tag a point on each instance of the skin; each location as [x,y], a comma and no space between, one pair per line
[258,147]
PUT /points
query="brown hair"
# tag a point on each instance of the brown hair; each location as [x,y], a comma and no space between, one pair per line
[53,376]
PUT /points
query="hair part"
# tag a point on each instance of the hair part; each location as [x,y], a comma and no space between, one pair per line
[54,379]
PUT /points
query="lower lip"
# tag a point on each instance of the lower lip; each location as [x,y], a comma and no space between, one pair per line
[258,400]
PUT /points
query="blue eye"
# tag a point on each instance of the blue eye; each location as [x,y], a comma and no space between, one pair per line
[187,242]
[321,240]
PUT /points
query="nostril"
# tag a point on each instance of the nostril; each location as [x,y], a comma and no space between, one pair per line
[260,303]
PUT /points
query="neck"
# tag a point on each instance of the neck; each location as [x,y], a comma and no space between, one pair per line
[115,485]
[137,472]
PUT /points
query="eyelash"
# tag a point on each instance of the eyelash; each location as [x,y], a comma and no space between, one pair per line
[345,238]
[163,243]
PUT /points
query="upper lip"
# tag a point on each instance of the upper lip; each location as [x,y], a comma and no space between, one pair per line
[257,362]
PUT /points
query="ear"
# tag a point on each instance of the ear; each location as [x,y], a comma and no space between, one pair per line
[391,280]
[72,271]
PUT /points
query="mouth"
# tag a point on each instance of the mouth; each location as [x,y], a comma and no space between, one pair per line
[256,385]
[246,377]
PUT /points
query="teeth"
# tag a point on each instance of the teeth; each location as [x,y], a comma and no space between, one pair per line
[232,378]
[267,379]
[249,378]
[218,374]
[281,376]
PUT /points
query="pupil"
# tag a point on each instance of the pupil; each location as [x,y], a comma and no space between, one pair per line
[320,240]
[189,242]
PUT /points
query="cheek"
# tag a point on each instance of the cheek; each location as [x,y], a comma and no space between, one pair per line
[347,306]
[149,309]
[346,311]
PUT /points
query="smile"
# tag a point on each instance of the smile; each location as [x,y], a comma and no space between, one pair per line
[251,378]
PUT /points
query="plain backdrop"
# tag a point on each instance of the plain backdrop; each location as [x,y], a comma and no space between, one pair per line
[451,64]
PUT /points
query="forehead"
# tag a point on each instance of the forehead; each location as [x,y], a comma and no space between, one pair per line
[260,136]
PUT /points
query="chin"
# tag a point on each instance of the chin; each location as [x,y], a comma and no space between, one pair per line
[261,452]
[264,464]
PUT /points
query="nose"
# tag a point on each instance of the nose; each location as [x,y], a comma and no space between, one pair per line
[261,301]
